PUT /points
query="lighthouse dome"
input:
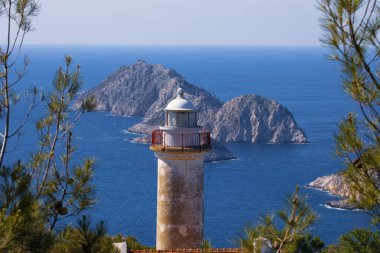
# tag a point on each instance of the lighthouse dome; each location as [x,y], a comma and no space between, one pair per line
[180,103]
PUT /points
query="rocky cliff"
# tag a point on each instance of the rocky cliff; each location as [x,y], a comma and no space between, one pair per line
[256,119]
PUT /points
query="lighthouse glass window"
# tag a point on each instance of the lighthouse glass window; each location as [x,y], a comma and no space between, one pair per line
[171,119]
[192,119]
[182,119]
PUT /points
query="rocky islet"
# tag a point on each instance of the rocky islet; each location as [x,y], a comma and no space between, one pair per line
[143,89]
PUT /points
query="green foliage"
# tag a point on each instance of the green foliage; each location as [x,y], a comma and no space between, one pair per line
[10,225]
[362,166]
[14,188]
[330,249]
[206,246]
[351,29]
[307,244]
[22,223]
[65,189]
[50,188]
[88,104]
[293,236]
[360,241]
[17,15]
[357,241]
[84,239]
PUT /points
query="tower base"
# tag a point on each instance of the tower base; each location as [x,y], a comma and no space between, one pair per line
[180,201]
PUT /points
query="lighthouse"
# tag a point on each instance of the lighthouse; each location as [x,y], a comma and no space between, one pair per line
[180,146]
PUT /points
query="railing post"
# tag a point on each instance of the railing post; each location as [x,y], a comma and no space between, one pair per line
[163,139]
[199,139]
[182,143]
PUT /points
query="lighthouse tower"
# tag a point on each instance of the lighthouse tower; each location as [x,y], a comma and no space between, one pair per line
[180,147]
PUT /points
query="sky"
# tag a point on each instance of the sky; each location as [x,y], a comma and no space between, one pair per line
[177,22]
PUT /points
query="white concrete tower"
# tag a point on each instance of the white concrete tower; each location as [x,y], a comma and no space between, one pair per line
[180,147]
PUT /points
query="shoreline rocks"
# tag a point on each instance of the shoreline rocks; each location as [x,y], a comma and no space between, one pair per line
[334,184]
[341,204]
[337,185]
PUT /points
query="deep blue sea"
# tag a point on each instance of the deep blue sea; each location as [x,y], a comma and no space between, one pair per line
[237,191]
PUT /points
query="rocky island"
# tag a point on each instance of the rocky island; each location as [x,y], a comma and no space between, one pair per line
[256,119]
[144,89]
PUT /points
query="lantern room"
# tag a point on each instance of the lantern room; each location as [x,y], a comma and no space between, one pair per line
[180,131]
[180,113]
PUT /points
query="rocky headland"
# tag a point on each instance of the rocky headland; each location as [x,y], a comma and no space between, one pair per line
[144,89]
[337,185]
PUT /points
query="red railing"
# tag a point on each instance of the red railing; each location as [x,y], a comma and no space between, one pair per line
[183,141]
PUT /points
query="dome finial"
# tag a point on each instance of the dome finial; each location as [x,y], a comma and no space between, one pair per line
[180,92]
[180,103]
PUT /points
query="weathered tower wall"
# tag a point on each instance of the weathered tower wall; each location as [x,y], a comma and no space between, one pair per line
[180,200]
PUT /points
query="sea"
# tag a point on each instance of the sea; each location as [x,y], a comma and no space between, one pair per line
[237,192]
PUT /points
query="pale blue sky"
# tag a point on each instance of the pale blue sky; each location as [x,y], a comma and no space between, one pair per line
[178,22]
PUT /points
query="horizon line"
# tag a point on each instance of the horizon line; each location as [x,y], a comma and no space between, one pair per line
[174,45]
